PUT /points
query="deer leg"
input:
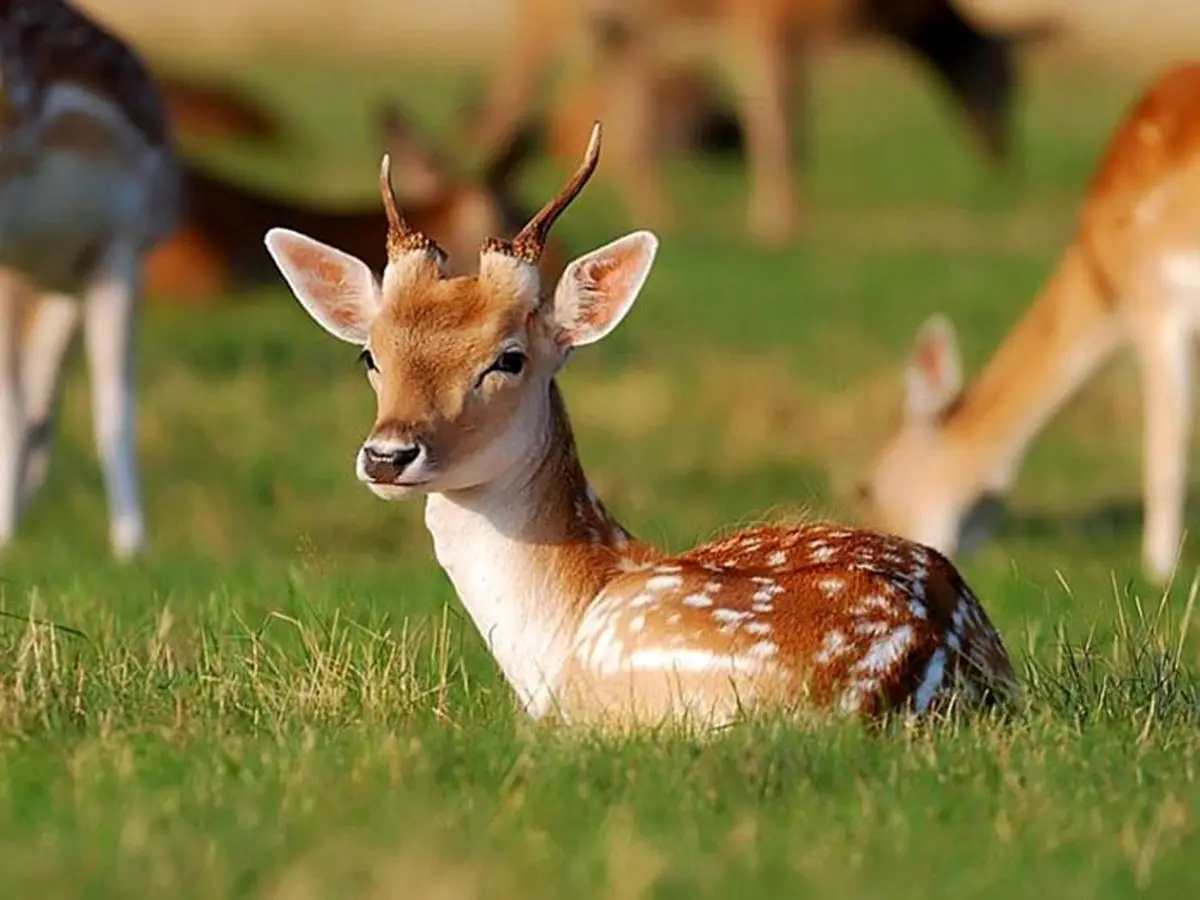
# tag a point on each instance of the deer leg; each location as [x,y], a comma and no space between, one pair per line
[1164,353]
[109,308]
[11,417]
[631,141]
[44,347]
[762,77]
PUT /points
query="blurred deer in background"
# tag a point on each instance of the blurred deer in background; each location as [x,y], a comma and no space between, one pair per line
[587,623]
[218,248]
[206,110]
[1130,278]
[760,44]
[89,183]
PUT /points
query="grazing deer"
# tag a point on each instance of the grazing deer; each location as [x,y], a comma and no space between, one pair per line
[203,111]
[218,248]
[88,183]
[1130,277]
[584,620]
[759,44]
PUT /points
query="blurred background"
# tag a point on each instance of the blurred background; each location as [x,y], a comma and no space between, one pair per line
[754,374]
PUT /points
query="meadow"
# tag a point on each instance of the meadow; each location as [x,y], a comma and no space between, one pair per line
[284,700]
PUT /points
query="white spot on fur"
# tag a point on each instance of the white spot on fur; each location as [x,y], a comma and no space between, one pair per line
[642,600]
[663,582]
[637,624]
[819,553]
[884,653]
[935,671]
[700,601]
[730,615]
[758,628]
[777,558]
[832,647]
[873,628]
[832,585]
[872,603]
[713,587]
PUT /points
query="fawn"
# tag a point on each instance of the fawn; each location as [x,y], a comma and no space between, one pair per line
[89,184]
[1130,277]
[586,622]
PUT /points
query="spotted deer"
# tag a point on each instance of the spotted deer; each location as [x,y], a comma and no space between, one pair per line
[88,184]
[217,249]
[587,622]
[759,45]
[1129,278]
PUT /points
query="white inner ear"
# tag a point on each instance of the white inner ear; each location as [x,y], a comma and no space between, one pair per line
[338,290]
[597,290]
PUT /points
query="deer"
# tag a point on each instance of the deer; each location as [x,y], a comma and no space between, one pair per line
[217,250]
[207,110]
[588,624]
[1129,279]
[89,184]
[759,45]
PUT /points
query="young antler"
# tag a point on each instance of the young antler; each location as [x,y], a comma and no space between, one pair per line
[584,619]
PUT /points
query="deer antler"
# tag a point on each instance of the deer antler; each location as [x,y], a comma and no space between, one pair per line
[530,242]
[402,238]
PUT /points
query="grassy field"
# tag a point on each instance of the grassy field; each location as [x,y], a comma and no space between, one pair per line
[284,700]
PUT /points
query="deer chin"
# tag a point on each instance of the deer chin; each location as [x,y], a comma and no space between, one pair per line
[396,490]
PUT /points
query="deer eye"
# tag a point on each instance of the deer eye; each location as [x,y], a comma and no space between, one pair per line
[368,360]
[510,362]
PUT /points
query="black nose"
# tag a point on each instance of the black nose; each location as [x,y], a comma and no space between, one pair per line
[387,462]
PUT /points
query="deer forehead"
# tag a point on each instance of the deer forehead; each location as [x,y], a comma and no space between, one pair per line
[434,342]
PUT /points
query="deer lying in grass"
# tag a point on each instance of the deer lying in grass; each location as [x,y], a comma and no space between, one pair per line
[759,44]
[217,249]
[1130,278]
[88,184]
[585,621]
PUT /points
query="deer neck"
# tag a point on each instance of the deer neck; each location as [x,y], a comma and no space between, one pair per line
[1052,351]
[527,552]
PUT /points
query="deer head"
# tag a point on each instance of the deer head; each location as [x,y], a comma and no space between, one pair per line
[921,484]
[462,366]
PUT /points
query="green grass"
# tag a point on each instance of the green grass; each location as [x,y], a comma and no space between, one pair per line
[284,700]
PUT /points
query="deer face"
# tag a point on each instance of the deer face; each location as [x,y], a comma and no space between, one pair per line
[461,367]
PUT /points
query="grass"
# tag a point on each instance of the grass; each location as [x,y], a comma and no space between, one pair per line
[283,700]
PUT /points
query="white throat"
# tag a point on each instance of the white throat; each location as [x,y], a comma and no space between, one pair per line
[503,545]
[481,541]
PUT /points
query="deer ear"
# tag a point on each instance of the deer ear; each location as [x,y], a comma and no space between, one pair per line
[337,289]
[933,379]
[597,290]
